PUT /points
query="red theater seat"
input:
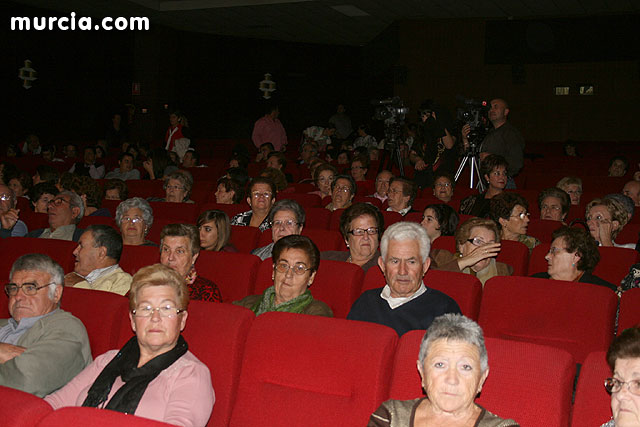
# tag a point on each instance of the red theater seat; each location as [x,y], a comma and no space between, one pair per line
[529,383]
[391,218]
[79,416]
[178,212]
[629,234]
[34,220]
[576,317]
[230,210]
[112,205]
[334,222]
[102,314]
[97,220]
[337,284]
[592,404]
[629,309]
[135,257]
[305,200]
[465,289]
[13,248]
[146,188]
[234,273]
[317,218]
[312,371]
[542,229]
[21,409]
[244,238]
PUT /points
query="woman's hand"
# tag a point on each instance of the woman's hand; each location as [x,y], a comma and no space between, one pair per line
[9,218]
[488,250]
[420,165]
[148,166]
[604,233]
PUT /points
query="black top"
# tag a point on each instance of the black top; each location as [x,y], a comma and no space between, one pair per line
[415,314]
[586,278]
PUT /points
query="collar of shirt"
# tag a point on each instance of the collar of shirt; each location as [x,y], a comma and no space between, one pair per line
[99,272]
[379,197]
[402,212]
[397,302]
[13,330]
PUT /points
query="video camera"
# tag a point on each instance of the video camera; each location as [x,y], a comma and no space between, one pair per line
[474,113]
[390,110]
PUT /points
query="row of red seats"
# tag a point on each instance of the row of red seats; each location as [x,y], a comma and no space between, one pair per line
[320,371]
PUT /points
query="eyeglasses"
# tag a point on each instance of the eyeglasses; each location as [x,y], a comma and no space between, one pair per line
[174,187]
[477,241]
[134,220]
[382,181]
[342,189]
[356,167]
[554,250]
[4,197]
[257,195]
[574,192]
[30,289]
[550,207]
[58,202]
[598,218]
[323,179]
[614,385]
[443,184]
[286,224]
[283,267]
[395,191]
[164,311]
[521,215]
[361,231]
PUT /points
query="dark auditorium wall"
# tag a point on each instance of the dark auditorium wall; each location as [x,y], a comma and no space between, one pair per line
[441,59]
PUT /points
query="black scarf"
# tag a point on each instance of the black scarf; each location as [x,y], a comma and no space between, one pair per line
[124,365]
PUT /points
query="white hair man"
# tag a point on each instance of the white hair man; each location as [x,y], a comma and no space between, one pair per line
[42,347]
[404,303]
[65,210]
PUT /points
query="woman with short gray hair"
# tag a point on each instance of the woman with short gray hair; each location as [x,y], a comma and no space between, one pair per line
[134,218]
[286,217]
[453,366]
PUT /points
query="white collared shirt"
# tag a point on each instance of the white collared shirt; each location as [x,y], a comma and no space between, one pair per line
[402,212]
[397,302]
[99,272]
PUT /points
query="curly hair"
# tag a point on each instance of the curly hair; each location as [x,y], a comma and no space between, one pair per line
[357,210]
[502,205]
[463,233]
[117,184]
[87,186]
[580,241]
[277,176]
[615,209]
[323,167]
[185,178]
[625,346]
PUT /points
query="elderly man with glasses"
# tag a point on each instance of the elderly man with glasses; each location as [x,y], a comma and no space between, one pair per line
[65,211]
[10,225]
[42,347]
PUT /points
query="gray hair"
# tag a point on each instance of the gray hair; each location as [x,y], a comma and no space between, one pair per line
[289,205]
[42,263]
[107,237]
[625,201]
[75,201]
[12,195]
[406,231]
[455,327]
[135,202]
[185,178]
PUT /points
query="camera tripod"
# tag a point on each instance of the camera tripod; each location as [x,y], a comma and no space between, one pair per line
[394,156]
[471,156]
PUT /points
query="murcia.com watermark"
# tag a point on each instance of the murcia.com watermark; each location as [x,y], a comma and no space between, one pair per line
[83,23]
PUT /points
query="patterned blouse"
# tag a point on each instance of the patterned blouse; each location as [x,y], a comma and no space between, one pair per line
[244,219]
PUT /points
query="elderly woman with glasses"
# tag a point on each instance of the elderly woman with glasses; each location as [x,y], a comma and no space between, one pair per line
[287,217]
[177,186]
[572,257]
[295,262]
[154,375]
[343,188]
[134,218]
[554,204]
[623,358]
[179,249]
[510,212]
[361,226]
[453,365]
[478,243]
[261,197]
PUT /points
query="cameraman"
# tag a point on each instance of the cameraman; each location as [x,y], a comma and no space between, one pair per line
[432,149]
[504,139]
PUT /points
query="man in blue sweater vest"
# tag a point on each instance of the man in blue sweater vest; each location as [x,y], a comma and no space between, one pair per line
[404,303]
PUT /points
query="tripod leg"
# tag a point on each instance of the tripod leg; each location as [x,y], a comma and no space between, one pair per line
[461,168]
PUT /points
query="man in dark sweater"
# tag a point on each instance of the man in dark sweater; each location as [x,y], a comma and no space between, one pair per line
[404,303]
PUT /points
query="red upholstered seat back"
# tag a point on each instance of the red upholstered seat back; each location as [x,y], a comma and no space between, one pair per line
[13,248]
[542,229]
[234,273]
[135,257]
[245,239]
[305,200]
[529,383]
[317,218]
[178,212]
[79,416]
[465,289]
[230,210]
[576,317]
[337,284]
[21,409]
[313,371]
[592,404]
[629,310]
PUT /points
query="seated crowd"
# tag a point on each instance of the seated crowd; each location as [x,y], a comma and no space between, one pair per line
[431,225]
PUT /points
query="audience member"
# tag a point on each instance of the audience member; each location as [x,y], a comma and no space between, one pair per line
[91,194]
[632,190]
[342,122]
[42,347]
[10,223]
[606,218]
[618,166]
[319,135]
[134,218]
[179,249]
[439,220]
[178,130]
[65,211]
[286,217]
[359,168]
[191,159]
[510,212]
[572,185]
[295,262]
[402,193]
[493,170]
[323,177]
[228,192]
[553,204]
[572,257]
[261,197]
[404,303]
[21,184]
[153,375]
[361,226]
[158,165]
[343,158]
[443,185]
[263,152]
[276,176]
[382,185]
[343,188]
[70,151]
[45,173]
[215,231]
[177,186]
[31,145]
[125,170]
[49,153]
[89,167]
[96,262]
[116,189]
[625,201]
[41,194]
[308,152]
[269,129]
[364,139]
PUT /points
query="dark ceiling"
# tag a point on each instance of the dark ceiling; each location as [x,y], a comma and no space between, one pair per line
[348,22]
